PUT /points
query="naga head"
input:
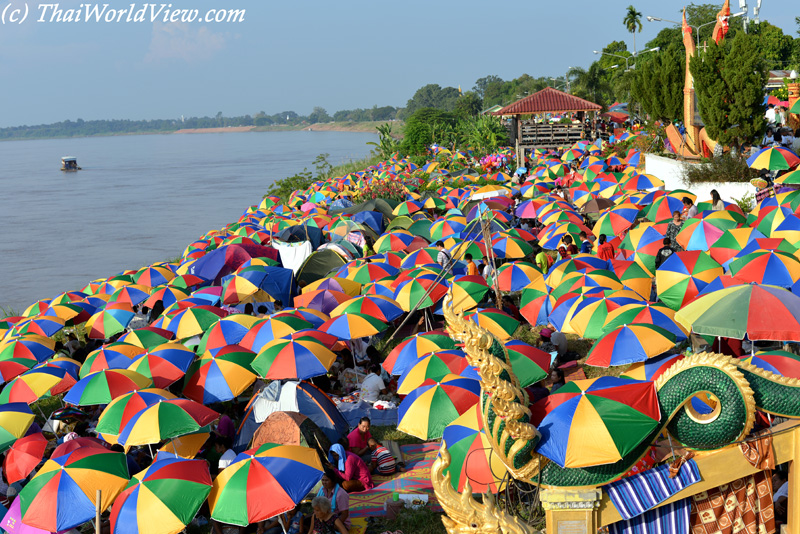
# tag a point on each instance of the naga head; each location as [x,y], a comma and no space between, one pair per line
[721,27]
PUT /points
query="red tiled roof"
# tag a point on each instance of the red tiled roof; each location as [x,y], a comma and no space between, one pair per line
[548,100]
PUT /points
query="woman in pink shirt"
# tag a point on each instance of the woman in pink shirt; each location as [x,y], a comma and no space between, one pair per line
[354,472]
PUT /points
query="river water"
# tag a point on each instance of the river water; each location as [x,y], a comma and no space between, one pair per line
[139,199]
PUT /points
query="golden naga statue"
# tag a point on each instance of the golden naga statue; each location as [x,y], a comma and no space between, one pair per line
[735,390]
[696,143]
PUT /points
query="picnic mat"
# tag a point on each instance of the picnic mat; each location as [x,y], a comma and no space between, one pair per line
[416,479]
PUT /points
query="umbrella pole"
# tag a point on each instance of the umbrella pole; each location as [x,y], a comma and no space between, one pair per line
[438,279]
[97,512]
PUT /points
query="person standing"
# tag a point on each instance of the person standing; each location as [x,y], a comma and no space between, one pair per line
[443,258]
[716,202]
[472,269]
[605,250]
[689,208]
[673,228]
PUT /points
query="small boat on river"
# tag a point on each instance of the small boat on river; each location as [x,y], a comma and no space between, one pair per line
[68,163]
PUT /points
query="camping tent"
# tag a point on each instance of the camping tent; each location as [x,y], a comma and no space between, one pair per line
[291,428]
[291,396]
[319,264]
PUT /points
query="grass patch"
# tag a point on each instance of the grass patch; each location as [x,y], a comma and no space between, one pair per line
[384,433]
[9,311]
[421,521]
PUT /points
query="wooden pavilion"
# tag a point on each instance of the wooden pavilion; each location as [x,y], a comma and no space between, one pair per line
[532,133]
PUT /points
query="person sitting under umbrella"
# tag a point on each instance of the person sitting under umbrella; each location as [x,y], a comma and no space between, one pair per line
[324,520]
[340,500]
[351,468]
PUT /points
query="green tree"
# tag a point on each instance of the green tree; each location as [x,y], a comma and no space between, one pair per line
[775,47]
[469,105]
[657,83]
[729,83]
[591,83]
[633,23]
[432,96]
[421,128]
[319,115]
[386,144]
[482,83]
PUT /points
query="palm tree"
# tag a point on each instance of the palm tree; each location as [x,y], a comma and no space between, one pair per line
[590,83]
[633,22]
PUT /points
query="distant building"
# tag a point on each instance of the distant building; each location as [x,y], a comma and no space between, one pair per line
[776,78]
[496,107]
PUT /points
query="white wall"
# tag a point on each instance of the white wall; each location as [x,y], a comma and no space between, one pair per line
[671,172]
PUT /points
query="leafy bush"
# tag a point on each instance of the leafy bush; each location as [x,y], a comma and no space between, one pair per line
[746,202]
[726,168]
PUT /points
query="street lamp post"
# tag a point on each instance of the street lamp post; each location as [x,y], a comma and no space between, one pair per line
[626,58]
[695,28]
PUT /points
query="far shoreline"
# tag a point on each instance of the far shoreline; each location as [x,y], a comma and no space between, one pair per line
[352,127]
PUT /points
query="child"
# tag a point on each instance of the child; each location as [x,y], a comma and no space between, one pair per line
[383,463]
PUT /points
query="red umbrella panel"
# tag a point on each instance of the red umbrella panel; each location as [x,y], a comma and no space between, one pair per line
[23,457]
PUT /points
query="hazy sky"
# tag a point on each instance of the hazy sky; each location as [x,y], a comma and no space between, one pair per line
[293,55]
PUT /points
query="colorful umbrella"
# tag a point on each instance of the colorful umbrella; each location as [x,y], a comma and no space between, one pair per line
[122,409]
[164,364]
[194,321]
[324,300]
[473,460]
[683,275]
[300,360]
[654,314]
[23,457]
[29,346]
[104,386]
[467,291]
[353,326]
[739,310]
[220,376]
[780,362]
[596,421]
[771,267]
[147,337]
[420,293]
[652,368]
[773,158]
[731,242]
[498,322]
[412,348]
[426,411]
[284,472]
[265,330]
[109,321]
[382,308]
[62,494]
[343,285]
[37,383]
[630,343]
[530,365]
[516,276]
[435,366]
[15,420]
[165,419]
[162,499]
[116,355]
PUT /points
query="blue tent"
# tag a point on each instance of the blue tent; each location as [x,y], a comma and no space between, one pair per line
[300,233]
[373,219]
